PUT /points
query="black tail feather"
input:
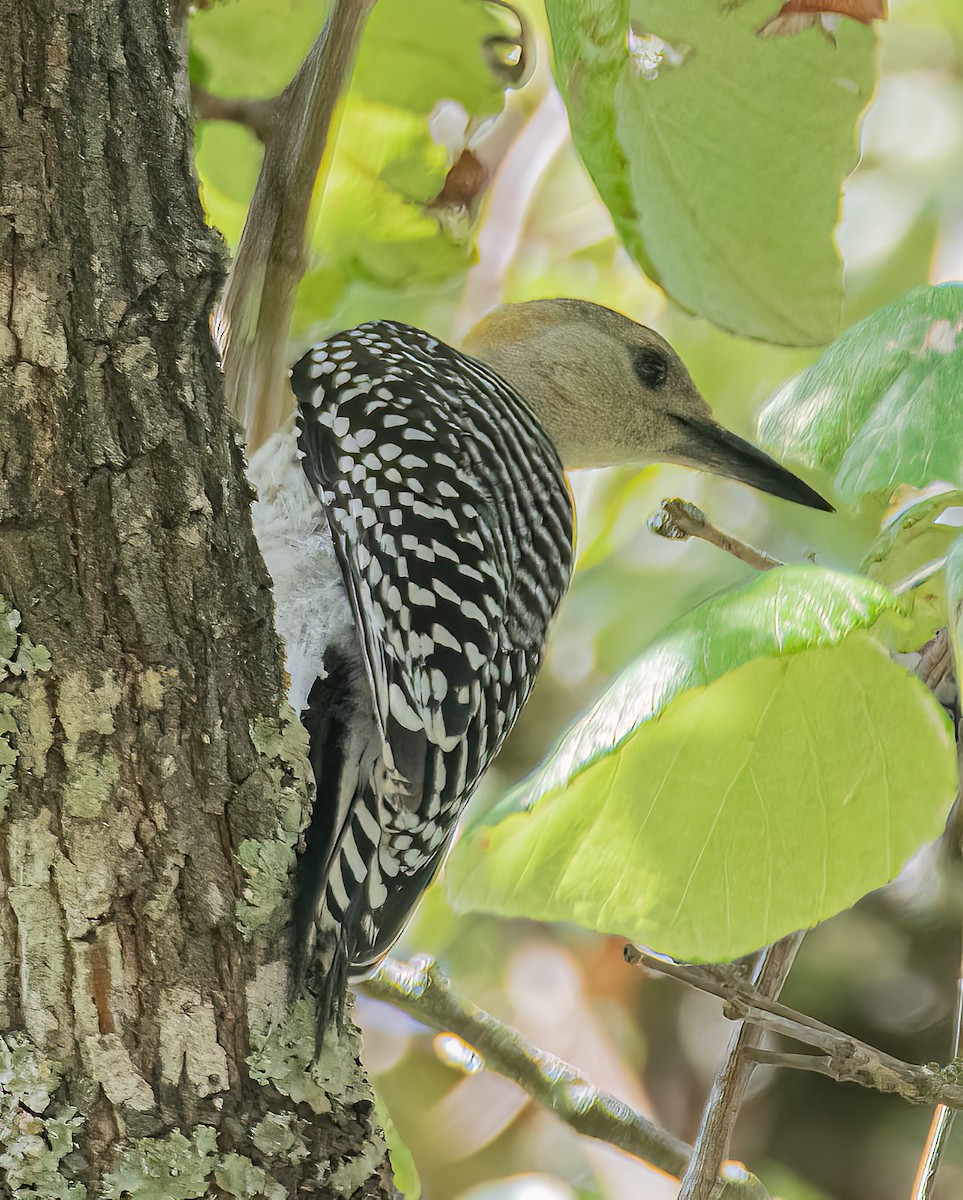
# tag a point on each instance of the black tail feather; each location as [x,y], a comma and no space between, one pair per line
[320,955]
[328,983]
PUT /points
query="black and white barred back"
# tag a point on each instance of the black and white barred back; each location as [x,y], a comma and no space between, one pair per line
[453,525]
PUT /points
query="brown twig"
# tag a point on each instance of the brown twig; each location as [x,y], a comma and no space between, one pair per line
[421,990]
[679,519]
[257,115]
[259,298]
[729,1086]
[936,667]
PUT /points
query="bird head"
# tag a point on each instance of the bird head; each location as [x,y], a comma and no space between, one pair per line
[610,391]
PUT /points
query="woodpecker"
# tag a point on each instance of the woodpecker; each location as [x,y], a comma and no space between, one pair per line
[417,523]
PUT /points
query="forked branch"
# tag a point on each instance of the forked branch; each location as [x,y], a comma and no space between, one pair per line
[839,1056]
[421,990]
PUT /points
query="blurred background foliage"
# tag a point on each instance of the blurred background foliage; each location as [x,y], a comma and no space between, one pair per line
[444,195]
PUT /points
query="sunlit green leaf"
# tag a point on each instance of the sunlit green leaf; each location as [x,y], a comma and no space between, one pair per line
[882,405]
[722,172]
[413,53]
[909,553]
[403,1166]
[954,601]
[375,224]
[418,51]
[373,216]
[228,159]
[919,533]
[758,769]
[252,47]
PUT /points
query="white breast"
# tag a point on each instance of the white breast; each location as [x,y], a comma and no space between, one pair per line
[311,605]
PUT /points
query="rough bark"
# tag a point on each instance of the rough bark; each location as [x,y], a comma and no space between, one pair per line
[151,786]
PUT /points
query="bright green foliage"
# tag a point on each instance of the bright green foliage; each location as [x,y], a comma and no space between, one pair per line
[954,601]
[910,552]
[374,225]
[250,47]
[761,767]
[412,52]
[918,534]
[882,406]
[415,51]
[722,172]
[402,1164]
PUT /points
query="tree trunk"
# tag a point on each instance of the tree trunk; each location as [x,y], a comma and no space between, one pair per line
[151,786]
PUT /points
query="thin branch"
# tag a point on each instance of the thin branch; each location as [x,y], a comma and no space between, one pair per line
[422,991]
[936,666]
[841,1057]
[257,115]
[259,298]
[680,519]
[730,1084]
[936,1140]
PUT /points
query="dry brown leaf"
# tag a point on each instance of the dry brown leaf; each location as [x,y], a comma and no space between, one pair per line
[464,184]
[798,15]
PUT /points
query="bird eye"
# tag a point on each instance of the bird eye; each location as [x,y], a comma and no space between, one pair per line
[651,366]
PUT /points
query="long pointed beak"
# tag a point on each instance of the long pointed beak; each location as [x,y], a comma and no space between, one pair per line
[711,447]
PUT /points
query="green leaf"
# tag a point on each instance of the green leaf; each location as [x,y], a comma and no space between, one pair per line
[882,406]
[373,216]
[252,47]
[407,1179]
[412,53]
[722,173]
[910,552]
[760,768]
[418,51]
[954,602]
[917,534]
[375,224]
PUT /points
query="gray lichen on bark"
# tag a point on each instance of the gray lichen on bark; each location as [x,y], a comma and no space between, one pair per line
[24,727]
[36,1133]
[152,786]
